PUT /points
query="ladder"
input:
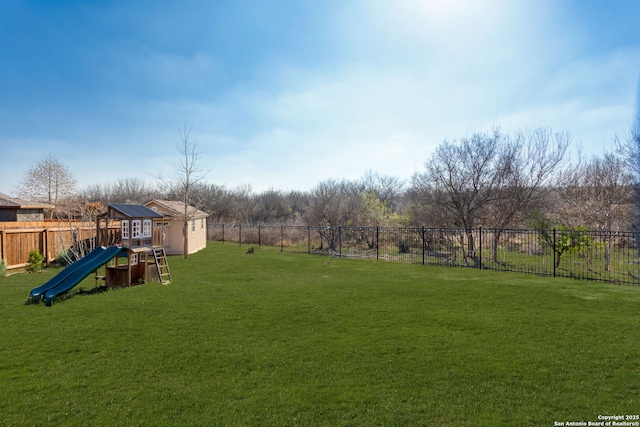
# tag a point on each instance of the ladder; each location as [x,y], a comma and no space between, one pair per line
[161,262]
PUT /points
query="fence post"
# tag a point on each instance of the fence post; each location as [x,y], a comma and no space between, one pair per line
[377,243]
[480,248]
[424,245]
[47,247]
[340,241]
[308,239]
[259,240]
[636,236]
[222,233]
[43,242]
[282,238]
[554,252]
[240,235]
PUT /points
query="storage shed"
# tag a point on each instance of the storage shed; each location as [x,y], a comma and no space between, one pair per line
[18,210]
[173,213]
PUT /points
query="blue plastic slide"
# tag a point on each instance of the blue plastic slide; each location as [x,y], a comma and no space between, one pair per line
[36,294]
[80,273]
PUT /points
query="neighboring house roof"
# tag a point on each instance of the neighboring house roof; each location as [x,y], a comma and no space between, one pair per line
[134,211]
[15,203]
[176,209]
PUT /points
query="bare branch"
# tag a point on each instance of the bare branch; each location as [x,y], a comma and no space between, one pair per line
[188,173]
[47,181]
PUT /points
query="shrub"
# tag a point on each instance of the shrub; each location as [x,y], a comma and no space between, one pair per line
[35,261]
[404,247]
[64,256]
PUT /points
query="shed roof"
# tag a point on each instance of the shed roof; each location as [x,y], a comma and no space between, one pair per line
[174,208]
[134,211]
[15,203]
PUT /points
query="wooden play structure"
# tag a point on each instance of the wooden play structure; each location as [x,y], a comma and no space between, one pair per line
[141,236]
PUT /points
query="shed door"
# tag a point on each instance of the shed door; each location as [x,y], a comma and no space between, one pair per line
[166,233]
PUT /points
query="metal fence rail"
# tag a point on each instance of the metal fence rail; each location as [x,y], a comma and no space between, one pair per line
[583,254]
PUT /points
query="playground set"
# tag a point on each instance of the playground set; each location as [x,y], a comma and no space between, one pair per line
[135,256]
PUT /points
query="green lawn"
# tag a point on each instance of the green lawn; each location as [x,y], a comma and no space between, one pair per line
[282,339]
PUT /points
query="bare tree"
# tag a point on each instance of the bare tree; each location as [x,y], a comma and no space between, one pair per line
[97,193]
[47,181]
[629,149]
[334,204]
[529,162]
[131,190]
[81,239]
[298,202]
[213,199]
[244,201]
[271,207]
[462,178]
[598,194]
[388,189]
[188,173]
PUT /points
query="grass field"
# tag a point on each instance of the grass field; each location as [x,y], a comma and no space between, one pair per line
[283,339]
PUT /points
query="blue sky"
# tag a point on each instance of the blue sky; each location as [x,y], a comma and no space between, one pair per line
[284,94]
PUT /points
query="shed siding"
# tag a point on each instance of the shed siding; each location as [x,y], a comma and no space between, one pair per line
[30,215]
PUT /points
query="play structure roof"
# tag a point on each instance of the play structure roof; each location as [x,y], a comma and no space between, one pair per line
[133,211]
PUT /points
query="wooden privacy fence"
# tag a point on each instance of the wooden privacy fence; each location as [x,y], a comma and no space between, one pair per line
[52,239]
[609,256]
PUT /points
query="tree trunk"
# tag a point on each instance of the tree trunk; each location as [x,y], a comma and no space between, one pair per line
[185,233]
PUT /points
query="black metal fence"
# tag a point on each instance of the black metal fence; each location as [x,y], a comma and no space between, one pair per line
[577,253]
